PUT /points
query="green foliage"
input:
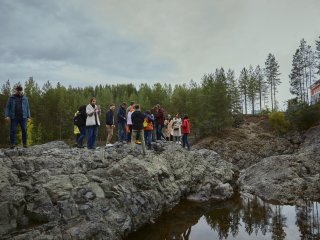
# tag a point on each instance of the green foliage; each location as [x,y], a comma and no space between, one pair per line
[302,116]
[209,104]
[279,122]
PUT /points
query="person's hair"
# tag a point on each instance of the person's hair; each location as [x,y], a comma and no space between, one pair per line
[132,103]
[185,116]
[111,105]
[148,112]
[91,99]
[137,106]
[82,107]
[177,115]
[19,88]
[124,104]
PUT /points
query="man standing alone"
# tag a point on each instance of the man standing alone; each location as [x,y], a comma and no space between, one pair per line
[17,112]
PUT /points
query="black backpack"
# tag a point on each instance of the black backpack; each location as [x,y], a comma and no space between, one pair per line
[77,119]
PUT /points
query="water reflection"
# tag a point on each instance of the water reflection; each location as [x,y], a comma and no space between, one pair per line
[238,218]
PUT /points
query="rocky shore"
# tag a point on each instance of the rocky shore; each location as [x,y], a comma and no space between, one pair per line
[287,178]
[52,191]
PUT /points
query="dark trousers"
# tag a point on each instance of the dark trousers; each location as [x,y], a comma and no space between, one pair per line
[92,133]
[159,132]
[122,131]
[13,126]
[185,140]
[148,137]
[81,136]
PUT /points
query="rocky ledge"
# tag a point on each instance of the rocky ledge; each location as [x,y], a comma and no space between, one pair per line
[289,178]
[52,191]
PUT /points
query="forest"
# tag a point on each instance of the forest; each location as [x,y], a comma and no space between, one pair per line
[213,103]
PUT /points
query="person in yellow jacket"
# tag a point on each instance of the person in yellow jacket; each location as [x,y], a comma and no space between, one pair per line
[76,130]
[148,127]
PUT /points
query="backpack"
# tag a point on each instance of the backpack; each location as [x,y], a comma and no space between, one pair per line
[77,119]
[145,123]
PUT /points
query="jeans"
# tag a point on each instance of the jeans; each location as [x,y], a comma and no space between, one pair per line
[148,137]
[81,136]
[185,141]
[92,133]
[13,126]
[159,132]
[134,138]
[122,131]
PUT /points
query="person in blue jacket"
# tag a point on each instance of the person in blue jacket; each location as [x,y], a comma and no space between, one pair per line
[17,111]
[122,120]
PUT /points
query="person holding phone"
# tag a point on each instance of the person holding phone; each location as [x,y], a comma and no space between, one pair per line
[92,123]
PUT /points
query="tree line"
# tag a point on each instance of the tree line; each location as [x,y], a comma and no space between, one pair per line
[212,105]
[305,67]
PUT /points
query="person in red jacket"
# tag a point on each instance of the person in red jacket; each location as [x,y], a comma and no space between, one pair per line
[185,129]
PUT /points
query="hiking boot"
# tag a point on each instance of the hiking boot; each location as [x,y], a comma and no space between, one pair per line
[138,142]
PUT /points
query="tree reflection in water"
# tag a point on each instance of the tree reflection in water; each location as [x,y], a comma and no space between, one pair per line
[308,220]
[234,218]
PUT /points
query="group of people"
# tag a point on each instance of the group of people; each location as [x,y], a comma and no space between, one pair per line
[134,126]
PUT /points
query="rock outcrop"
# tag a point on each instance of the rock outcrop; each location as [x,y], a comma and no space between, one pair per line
[287,178]
[52,191]
[251,142]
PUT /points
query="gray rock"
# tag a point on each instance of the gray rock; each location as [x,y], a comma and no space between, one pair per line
[58,192]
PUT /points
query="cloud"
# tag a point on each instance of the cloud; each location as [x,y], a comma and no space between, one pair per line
[149,41]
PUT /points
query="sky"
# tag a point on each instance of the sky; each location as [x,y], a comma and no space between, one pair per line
[85,43]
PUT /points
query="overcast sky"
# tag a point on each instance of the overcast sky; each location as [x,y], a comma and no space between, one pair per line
[81,43]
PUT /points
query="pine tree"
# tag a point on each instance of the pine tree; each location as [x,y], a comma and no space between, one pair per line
[296,77]
[243,83]
[272,73]
[252,87]
[233,92]
[262,86]
[317,56]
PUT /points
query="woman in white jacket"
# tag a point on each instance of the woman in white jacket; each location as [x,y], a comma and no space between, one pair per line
[92,123]
[177,128]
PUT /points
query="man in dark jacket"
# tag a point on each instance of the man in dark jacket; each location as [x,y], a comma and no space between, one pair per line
[17,111]
[159,122]
[122,120]
[110,124]
[81,117]
[137,128]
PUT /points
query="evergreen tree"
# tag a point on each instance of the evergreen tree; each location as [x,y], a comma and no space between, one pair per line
[317,56]
[243,83]
[272,76]
[233,92]
[253,87]
[262,86]
[296,77]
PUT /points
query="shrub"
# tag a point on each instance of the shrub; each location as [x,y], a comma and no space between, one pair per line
[278,122]
[302,116]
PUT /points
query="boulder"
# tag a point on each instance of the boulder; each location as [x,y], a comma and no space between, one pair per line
[52,191]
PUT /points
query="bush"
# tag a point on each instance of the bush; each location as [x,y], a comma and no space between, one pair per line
[279,122]
[302,116]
